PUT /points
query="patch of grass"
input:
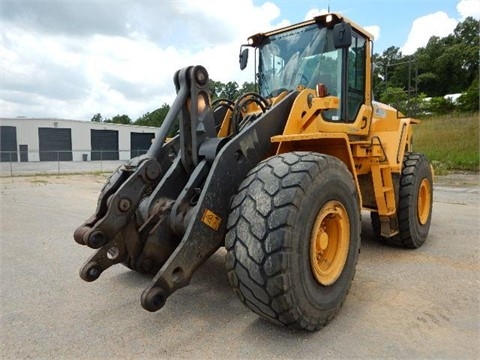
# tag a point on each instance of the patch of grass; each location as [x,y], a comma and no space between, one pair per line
[59,175]
[100,173]
[451,142]
[38,181]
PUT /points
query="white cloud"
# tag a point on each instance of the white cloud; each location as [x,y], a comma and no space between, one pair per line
[436,24]
[374,30]
[468,8]
[125,67]
[315,12]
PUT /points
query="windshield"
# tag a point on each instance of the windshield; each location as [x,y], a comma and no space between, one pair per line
[304,56]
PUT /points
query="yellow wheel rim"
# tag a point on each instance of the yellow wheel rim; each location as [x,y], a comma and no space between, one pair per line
[329,243]
[424,201]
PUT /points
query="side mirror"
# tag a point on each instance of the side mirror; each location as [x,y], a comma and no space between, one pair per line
[243,58]
[342,35]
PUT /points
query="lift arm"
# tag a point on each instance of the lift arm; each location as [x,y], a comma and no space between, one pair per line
[167,216]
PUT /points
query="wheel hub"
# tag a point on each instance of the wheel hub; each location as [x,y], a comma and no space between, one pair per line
[322,241]
[329,243]
[424,201]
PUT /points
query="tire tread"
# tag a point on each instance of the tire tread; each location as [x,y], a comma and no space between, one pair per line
[260,277]
[412,163]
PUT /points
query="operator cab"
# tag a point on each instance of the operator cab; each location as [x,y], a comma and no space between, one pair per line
[325,51]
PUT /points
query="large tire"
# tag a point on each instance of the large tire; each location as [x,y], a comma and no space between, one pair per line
[414,207]
[293,239]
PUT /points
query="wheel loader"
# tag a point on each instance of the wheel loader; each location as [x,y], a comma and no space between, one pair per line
[278,177]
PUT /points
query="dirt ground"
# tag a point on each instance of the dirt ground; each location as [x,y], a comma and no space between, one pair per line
[404,304]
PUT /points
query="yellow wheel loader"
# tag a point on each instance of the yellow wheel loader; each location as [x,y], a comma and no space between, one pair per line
[278,177]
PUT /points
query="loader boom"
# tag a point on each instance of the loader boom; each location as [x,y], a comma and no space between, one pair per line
[185,203]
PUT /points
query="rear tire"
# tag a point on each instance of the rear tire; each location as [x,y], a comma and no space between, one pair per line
[293,239]
[414,208]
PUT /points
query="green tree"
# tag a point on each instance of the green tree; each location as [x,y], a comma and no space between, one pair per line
[439,105]
[384,70]
[396,97]
[415,105]
[156,118]
[97,118]
[469,101]
[427,82]
[450,64]
[467,34]
[444,66]
[120,119]
[430,79]
[248,87]
[230,91]
[216,88]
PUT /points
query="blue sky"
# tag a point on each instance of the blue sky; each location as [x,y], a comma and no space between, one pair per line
[393,17]
[75,58]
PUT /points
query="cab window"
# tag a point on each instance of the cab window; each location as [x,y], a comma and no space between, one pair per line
[356,76]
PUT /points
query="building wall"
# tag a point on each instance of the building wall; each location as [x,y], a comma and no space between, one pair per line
[27,134]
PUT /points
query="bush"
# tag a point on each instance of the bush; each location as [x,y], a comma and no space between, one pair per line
[440,106]
[469,101]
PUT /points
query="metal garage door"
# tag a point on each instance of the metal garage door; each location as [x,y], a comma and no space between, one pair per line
[104,144]
[140,143]
[55,144]
[8,143]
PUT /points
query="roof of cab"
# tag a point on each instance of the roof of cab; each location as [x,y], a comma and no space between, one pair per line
[325,19]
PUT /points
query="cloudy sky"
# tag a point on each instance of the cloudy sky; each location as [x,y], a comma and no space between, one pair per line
[75,58]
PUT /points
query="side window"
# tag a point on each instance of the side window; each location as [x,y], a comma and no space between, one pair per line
[356,76]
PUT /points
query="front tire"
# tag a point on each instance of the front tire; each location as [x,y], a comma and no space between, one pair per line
[293,239]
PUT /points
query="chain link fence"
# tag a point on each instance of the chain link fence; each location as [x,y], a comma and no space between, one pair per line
[14,163]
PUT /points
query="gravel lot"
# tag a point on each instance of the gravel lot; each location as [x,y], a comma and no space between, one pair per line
[403,304]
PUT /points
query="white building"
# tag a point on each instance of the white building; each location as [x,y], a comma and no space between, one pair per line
[25,139]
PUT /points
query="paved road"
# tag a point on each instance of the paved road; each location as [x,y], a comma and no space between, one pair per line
[403,304]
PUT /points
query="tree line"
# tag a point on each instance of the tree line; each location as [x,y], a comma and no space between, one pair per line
[447,65]
[414,84]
